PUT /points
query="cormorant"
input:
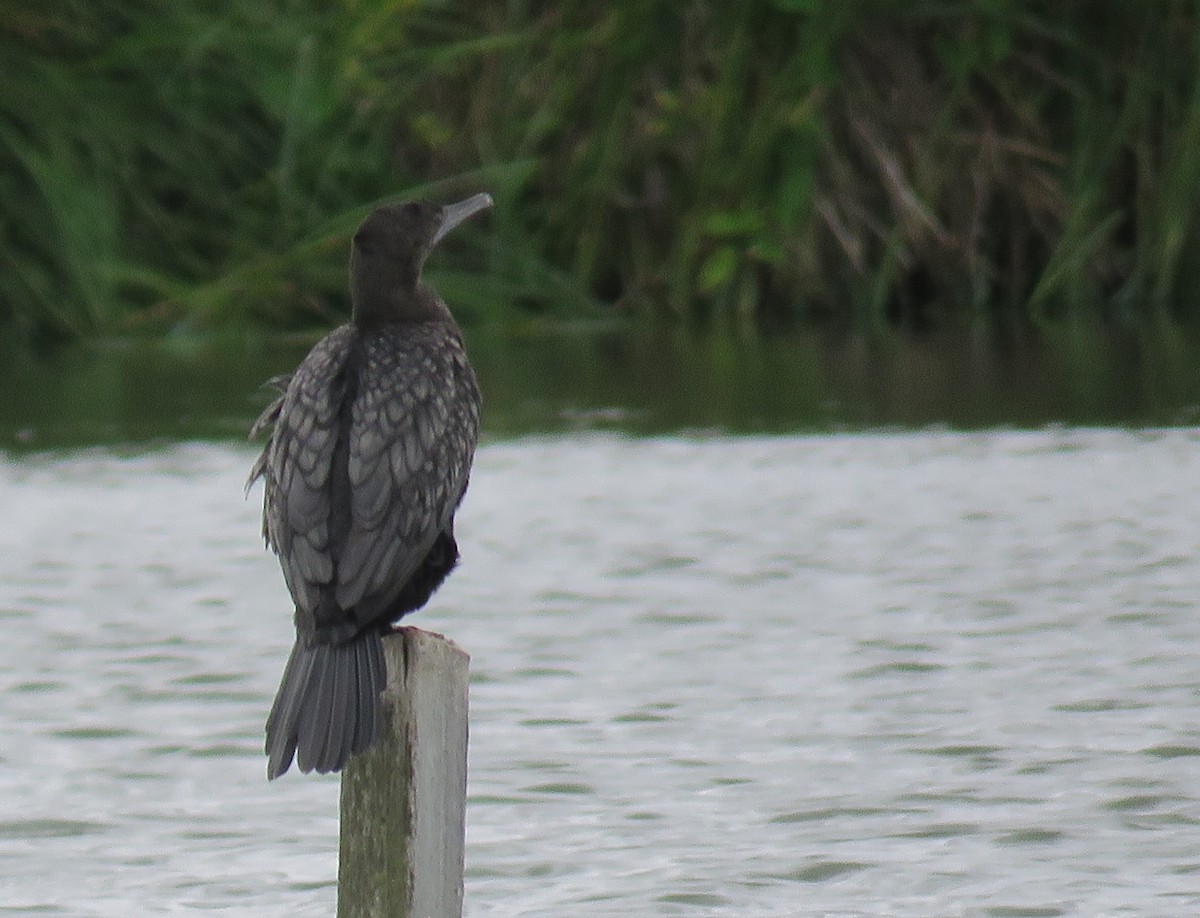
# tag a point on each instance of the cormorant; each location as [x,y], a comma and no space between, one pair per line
[368,457]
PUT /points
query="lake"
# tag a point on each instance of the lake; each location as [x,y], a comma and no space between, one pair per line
[784,664]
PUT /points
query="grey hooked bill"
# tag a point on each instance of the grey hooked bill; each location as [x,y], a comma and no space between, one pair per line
[457,213]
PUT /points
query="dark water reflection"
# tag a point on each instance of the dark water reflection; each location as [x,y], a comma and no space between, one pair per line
[638,381]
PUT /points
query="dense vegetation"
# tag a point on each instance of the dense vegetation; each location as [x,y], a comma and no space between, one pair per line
[865,163]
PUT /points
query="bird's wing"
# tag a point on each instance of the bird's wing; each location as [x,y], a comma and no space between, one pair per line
[264,421]
[298,468]
[414,424]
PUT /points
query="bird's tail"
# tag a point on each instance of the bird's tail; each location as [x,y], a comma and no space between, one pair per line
[327,707]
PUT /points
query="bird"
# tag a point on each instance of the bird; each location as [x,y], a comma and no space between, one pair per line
[368,455]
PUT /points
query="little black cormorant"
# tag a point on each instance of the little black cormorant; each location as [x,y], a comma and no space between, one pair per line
[367,460]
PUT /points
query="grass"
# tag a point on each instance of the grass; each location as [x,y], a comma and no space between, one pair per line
[857,163]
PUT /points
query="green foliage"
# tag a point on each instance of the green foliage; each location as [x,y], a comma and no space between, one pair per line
[172,165]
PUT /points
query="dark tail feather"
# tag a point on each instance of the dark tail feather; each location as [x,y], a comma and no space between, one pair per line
[327,707]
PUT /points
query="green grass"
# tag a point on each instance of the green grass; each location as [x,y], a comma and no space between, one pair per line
[169,167]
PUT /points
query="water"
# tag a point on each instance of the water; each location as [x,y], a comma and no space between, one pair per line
[641,381]
[897,674]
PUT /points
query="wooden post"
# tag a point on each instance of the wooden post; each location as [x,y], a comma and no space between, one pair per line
[404,801]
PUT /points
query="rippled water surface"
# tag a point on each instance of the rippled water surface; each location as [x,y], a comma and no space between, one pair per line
[912,674]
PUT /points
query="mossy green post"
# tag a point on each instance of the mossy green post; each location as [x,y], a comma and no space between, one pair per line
[403,811]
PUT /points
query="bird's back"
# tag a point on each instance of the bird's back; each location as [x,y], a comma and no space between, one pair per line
[368,460]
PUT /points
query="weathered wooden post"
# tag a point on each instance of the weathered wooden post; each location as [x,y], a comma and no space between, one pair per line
[403,811]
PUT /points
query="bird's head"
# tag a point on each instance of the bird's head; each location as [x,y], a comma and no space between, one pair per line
[389,250]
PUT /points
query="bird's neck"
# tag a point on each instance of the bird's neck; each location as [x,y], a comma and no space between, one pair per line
[417,303]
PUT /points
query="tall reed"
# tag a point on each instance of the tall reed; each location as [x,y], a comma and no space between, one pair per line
[170,166]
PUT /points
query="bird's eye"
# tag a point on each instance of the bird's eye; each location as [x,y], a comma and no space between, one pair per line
[366,241]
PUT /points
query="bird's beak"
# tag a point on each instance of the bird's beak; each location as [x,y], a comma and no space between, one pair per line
[454,214]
